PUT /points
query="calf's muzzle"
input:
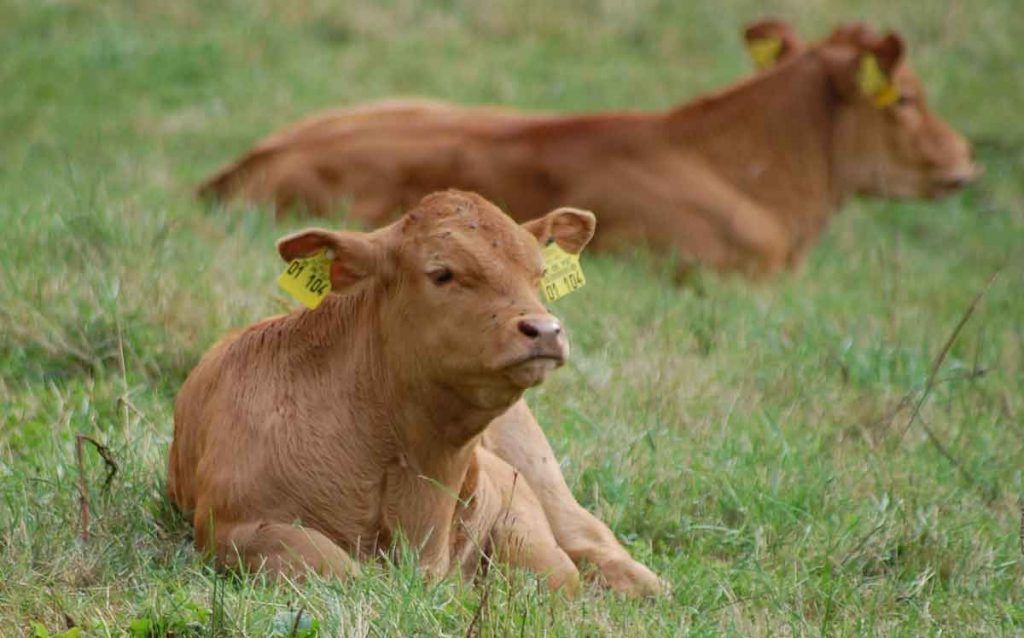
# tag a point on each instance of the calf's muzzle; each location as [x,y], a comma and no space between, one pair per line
[544,336]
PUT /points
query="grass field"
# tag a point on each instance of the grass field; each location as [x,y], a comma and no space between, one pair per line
[754,444]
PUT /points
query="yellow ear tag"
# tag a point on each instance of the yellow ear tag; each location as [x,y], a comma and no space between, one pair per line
[873,83]
[764,51]
[886,96]
[308,279]
[562,272]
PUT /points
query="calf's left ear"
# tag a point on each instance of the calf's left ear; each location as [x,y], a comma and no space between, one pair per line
[571,228]
[354,256]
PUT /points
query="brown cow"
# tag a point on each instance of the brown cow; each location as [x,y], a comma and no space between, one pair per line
[395,408]
[744,179]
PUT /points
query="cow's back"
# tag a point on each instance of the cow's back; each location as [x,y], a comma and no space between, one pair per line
[324,156]
[386,156]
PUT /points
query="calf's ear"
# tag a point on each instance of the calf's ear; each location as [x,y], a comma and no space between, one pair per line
[571,228]
[771,41]
[869,75]
[889,51]
[354,256]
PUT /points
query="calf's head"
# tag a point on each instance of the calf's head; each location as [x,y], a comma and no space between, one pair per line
[455,291]
[887,142]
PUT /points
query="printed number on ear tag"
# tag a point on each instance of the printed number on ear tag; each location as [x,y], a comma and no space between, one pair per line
[308,279]
[562,272]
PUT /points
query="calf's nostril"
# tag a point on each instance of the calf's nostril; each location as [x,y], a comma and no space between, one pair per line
[528,329]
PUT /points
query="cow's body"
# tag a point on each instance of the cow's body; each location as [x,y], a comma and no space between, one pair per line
[313,438]
[742,180]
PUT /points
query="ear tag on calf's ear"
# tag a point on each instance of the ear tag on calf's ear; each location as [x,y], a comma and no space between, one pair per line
[764,51]
[562,272]
[873,83]
[887,96]
[308,279]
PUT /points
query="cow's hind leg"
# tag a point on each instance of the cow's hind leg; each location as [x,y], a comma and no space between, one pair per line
[280,549]
[520,533]
[516,437]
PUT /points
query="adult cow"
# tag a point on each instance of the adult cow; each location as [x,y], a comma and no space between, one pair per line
[395,408]
[744,179]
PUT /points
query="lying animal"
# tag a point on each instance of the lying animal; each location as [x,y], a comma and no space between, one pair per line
[314,439]
[742,180]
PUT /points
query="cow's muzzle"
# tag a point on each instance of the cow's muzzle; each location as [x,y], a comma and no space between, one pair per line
[949,182]
[542,347]
[544,335]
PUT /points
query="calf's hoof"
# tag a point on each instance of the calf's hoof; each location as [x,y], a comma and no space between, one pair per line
[629,577]
[564,579]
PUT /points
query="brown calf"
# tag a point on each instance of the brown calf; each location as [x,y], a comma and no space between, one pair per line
[744,179]
[315,438]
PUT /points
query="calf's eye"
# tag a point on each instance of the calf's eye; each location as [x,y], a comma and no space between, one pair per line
[441,276]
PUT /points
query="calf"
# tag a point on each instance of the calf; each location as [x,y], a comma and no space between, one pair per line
[744,179]
[315,439]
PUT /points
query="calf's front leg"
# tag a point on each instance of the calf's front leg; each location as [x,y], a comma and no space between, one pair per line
[509,511]
[517,439]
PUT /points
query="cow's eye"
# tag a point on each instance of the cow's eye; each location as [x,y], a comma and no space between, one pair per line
[440,276]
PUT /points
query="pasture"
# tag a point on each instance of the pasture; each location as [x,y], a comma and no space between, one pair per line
[829,452]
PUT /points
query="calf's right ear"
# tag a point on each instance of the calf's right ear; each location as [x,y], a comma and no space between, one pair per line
[770,42]
[570,228]
[354,256]
[869,74]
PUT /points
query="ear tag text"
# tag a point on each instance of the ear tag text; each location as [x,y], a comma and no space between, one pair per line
[873,83]
[764,51]
[562,272]
[308,279]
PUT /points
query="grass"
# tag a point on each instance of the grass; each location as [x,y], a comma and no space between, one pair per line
[744,440]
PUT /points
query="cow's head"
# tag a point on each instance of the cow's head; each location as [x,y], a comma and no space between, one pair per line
[888,143]
[770,42]
[456,285]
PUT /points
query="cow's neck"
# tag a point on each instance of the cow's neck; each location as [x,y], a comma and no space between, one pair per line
[771,138]
[427,426]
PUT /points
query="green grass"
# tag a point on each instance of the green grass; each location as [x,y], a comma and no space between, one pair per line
[743,440]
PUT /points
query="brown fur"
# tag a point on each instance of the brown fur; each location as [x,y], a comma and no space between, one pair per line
[318,438]
[744,179]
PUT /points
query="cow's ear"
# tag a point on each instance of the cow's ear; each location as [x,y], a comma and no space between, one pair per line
[770,41]
[354,256]
[570,228]
[863,65]
[876,65]
[889,51]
